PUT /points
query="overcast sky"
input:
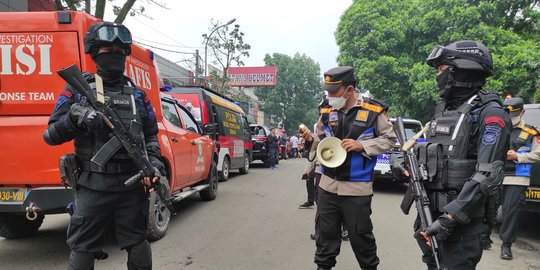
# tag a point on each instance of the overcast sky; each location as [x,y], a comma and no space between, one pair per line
[282,26]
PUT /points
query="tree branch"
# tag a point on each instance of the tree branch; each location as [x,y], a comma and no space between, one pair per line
[124,11]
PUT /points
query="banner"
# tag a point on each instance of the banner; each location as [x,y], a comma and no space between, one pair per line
[252,76]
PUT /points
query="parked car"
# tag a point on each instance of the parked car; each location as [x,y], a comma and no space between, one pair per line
[30,184]
[259,135]
[233,131]
[531,116]
[382,169]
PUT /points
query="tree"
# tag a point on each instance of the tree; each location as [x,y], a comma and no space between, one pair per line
[295,97]
[227,48]
[99,8]
[388,41]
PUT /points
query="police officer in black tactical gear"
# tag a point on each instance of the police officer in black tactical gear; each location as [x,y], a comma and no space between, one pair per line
[524,151]
[464,154]
[101,197]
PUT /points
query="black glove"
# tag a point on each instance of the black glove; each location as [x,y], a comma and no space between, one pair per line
[397,166]
[441,228]
[86,117]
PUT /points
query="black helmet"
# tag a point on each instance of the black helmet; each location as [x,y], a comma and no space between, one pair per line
[107,33]
[465,54]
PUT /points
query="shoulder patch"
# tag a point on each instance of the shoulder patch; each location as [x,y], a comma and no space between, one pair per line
[495,120]
[531,130]
[325,110]
[372,107]
[491,134]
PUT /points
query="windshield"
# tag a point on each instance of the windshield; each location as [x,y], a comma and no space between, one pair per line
[532,117]
[411,130]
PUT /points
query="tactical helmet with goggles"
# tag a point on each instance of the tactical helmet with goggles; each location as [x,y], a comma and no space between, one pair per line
[107,33]
[465,55]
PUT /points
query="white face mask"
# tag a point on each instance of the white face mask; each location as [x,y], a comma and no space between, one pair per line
[337,102]
[515,120]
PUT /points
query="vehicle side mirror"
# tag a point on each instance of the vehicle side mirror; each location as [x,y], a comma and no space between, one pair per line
[210,129]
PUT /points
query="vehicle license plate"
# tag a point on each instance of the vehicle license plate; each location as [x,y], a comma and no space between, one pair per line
[12,194]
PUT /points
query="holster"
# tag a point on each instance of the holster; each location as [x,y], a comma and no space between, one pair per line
[69,170]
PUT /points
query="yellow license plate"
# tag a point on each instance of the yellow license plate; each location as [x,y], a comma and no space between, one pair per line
[532,193]
[12,194]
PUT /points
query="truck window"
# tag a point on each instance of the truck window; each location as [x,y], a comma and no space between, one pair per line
[169,112]
[532,116]
[188,121]
[230,121]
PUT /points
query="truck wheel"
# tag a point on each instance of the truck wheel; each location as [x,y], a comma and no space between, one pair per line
[245,169]
[213,179]
[225,170]
[18,226]
[158,214]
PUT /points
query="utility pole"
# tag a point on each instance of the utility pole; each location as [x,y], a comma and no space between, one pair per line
[87,6]
[197,67]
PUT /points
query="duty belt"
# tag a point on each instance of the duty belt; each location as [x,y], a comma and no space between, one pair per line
[110,167]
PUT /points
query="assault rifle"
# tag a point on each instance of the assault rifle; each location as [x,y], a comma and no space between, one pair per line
[122,137]
[416,185]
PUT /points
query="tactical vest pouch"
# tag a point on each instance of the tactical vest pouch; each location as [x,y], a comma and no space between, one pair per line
[430,158]
[69,170]
[458,172]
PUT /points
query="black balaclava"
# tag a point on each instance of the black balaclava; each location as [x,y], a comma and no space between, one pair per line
[453,95]
[111,67]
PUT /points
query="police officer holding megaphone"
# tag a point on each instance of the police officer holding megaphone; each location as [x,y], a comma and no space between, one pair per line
[354,130]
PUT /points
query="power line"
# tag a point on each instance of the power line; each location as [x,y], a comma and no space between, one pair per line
[163,34]
[167,50]
[170,45]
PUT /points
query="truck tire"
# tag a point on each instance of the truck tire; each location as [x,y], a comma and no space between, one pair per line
[18,226]
[225,170]
[210,193]
[158,214]
[245,169]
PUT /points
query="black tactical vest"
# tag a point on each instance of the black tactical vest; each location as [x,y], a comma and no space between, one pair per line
[123,102]
[521,141]
[358,124]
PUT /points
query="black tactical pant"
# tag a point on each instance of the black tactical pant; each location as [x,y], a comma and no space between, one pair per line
[96,210]
[310,188]
[354,212]
[461,251]
[512,199]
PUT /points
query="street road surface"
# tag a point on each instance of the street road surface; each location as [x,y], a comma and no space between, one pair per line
[255,223]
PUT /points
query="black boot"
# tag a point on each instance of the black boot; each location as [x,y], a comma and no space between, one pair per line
[506,251]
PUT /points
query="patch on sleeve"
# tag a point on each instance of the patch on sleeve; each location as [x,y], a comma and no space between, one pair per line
[62,99]
[66,93]
[491,134]
[495,120]
[362,115]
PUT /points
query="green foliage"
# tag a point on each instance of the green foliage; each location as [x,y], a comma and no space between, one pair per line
[387,41]
[295,97]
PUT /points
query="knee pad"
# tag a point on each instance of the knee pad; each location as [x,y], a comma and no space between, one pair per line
[140,256]
[81,261]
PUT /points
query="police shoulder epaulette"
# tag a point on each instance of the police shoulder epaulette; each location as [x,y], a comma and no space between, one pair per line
[530,129]
[325,110]
[372,107]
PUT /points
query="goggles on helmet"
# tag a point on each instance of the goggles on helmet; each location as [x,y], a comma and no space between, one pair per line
[440,53]
[109,33]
